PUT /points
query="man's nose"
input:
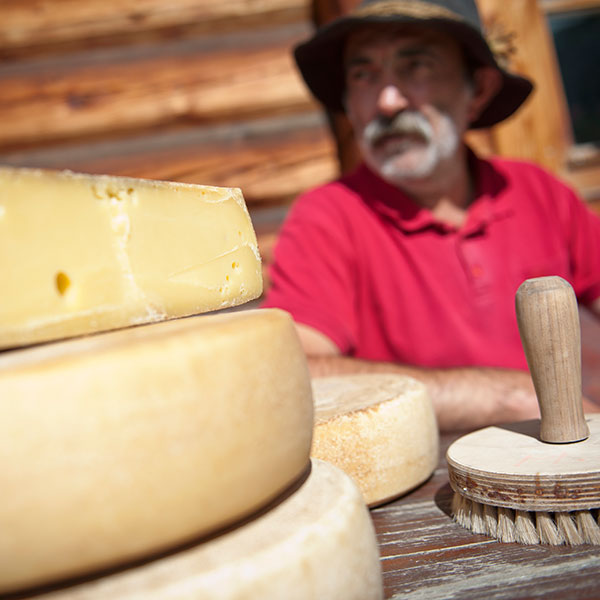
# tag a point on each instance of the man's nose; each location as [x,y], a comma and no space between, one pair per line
[391,100]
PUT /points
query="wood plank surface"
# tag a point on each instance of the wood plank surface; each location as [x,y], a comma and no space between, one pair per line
[212,79]
[271,160]
[424,554]
[538,131]
[35,26]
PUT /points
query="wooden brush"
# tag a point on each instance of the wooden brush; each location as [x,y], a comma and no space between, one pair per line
[536,481]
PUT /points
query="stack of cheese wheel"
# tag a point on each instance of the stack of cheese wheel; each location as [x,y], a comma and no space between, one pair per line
[170,459]
[379,428]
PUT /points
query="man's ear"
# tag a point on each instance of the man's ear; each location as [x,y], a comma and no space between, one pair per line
[487,82]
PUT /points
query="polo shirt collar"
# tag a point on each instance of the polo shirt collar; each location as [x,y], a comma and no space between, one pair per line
[393,204]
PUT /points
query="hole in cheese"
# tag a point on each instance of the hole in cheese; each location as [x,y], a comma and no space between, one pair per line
[62,283]
[106,191]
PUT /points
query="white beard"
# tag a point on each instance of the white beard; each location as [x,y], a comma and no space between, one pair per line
[409,158]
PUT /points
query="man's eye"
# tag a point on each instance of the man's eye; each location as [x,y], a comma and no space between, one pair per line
[416,68]
[420,63]
[358,75]
[423,62]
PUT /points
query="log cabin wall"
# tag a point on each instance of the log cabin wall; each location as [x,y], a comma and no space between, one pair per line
[198,91]
[205,91]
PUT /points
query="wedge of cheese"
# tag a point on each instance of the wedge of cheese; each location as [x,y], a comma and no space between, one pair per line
[380,429]
[122,444]
[81,253]
[316,544]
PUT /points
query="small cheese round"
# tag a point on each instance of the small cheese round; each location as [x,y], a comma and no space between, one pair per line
[316,544]
[380,429]
[127,443]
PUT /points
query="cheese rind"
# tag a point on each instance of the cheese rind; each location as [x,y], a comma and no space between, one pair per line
[380,429]
[125,443]
[85,253]
[317,544]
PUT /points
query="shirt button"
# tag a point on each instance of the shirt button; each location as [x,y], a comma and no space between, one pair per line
[477,271]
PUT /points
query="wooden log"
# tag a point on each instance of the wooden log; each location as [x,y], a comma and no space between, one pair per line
[205,80]
[325,11]
[32,26]
[272,160]
[537,132]
[541,130]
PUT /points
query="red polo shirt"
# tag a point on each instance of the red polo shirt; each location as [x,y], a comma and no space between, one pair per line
[359,261]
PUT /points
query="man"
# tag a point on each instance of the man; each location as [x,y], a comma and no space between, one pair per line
[411,263]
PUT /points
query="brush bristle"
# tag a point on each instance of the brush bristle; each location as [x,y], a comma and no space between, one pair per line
[461,509]
[490,515]
[477,520]
[588,527]
[567,527]
[525,531]
[506,525]
[547,530]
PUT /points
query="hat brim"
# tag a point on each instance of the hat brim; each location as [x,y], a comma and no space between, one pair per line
[320,61]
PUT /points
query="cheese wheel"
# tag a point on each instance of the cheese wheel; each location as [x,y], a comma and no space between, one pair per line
[317,544]
[82,253]
[380,429]
[126,443]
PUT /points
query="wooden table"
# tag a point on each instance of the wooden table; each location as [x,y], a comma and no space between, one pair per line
[424,554]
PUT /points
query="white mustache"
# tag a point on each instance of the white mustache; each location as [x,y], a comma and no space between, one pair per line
[404,123]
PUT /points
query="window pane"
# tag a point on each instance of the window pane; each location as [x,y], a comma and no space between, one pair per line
[577,41]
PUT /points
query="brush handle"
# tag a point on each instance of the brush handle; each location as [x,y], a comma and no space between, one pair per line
[548,322]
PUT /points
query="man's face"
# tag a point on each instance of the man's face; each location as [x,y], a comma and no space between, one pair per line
[407,99]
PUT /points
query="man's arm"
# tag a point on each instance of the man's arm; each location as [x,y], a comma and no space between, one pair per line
[463,398]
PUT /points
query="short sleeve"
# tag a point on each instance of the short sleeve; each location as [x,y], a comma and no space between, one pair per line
[312,275]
